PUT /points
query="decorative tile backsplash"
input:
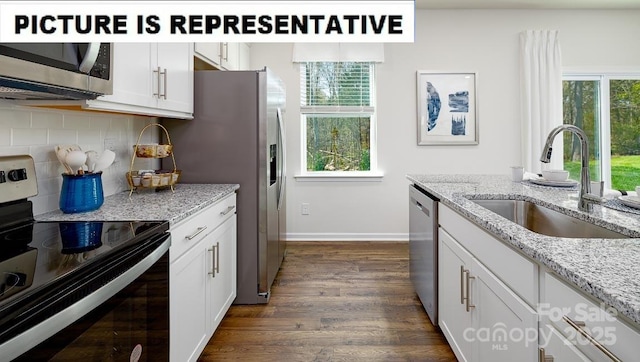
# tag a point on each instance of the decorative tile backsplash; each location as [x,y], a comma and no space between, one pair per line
[36,131]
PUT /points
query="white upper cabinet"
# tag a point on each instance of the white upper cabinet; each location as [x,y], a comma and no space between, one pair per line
[223,56]
[154,79]
[244,53]
[230,58]
[176,83]
[207,55]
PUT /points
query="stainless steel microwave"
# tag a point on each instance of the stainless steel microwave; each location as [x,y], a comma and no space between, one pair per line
[50,71]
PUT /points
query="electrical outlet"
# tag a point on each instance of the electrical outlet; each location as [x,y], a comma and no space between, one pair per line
[110,144]
[305,209]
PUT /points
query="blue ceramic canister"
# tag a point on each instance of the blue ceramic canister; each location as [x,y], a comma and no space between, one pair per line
[81,193]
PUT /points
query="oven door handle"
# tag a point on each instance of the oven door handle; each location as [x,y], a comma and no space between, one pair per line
[52,325]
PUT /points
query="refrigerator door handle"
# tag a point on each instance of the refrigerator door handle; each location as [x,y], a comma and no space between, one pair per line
[283,154]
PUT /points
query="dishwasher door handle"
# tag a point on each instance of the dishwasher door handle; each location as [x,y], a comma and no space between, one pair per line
[422,208]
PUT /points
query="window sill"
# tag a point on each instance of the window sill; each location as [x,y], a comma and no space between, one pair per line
[347,176]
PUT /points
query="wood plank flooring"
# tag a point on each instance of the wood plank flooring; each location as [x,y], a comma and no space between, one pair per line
[334,301]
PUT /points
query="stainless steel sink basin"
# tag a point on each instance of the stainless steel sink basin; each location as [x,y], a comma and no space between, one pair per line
[543,220]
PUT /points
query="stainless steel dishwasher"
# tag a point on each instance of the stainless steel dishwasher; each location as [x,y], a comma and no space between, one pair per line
[423,248]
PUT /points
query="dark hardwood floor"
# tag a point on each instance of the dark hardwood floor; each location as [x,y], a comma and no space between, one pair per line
[334,301]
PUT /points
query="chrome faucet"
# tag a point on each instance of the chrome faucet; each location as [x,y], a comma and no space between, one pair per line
[586,199]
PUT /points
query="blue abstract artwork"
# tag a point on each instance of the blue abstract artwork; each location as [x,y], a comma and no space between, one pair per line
[447,110]
[459,101]
[458,125]
[433,105]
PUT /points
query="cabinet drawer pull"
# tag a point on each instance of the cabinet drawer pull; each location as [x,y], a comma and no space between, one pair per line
[195,233]
[228,210]
[542,357]
[468,306]
[578,327]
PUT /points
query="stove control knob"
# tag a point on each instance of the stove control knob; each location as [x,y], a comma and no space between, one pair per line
[18,174]
[3,179]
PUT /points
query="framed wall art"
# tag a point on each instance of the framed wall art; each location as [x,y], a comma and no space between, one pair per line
[447,108]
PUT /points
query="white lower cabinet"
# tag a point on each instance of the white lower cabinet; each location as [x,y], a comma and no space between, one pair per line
[592,330]
[222,271]
[555,347]
[482,319]
[454,320]
[487,295]
[203,277]
[189,305]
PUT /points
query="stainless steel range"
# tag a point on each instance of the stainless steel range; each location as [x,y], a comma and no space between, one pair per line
[78,290]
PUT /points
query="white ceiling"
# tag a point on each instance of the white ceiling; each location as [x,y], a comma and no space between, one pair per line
[528,4]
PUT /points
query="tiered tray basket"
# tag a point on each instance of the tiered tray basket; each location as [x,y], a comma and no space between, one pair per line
[158,178]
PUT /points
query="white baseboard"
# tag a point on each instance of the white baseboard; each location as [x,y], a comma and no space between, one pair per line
[347,237]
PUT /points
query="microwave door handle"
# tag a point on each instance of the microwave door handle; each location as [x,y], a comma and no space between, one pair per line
[89,58]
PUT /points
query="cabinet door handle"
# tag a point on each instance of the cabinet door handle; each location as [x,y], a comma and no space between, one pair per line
[164,76]
[468,306]
[195,233]
[158,80]
[226,52]
[214,260]
[578,326]
[461,284]
[217,257]
[542,357]
[228,210]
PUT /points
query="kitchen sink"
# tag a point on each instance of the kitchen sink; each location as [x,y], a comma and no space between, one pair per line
[543,220]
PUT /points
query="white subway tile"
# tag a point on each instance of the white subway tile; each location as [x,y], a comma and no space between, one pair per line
[27,136]
[100,123]
[43,153]
[5,136]
[87,137]
[63,136]
[36,131]
[49,185]
[46,120]
[11,118]
[77,120]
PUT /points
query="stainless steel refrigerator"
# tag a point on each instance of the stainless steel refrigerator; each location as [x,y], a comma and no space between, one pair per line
[237,136]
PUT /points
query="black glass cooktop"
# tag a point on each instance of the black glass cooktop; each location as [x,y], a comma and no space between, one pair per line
[37,254]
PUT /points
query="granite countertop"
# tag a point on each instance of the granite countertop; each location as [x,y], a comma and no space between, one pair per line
[607,269]
[150,205]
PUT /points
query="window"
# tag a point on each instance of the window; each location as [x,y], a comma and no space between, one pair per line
[607,108]
[338,116]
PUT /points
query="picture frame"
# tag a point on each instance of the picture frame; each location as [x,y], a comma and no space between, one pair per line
[447,108]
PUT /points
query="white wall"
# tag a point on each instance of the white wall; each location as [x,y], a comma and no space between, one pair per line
[36,131]
[485,41]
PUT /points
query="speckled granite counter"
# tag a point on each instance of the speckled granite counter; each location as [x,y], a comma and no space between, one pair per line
[608,269]
[150,205]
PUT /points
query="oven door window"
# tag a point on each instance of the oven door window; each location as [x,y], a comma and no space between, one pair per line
[133,325]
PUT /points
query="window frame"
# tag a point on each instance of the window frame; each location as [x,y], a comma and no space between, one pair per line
[373,174]
[603,78]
